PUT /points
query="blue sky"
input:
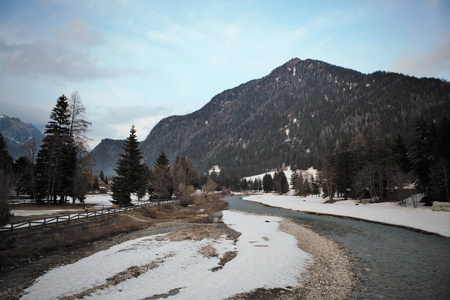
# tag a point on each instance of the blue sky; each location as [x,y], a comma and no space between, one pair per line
[136,62]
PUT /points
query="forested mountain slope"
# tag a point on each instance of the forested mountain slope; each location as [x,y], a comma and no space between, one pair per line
[105,156]
[291,114]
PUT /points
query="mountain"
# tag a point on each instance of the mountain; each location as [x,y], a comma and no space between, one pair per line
[289,116]
[105,156]
[17,134]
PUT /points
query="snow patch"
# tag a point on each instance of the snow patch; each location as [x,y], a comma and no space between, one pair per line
[267,258]
[214,169]
[422,218]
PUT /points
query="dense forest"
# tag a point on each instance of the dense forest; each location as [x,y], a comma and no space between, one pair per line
[290,116]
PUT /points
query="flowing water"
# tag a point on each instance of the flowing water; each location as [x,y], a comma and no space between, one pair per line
[388,262]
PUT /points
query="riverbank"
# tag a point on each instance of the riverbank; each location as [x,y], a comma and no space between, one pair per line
[204,260]
[421,218]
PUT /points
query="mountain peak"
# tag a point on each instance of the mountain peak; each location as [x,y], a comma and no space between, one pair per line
[17,133]
[291,114]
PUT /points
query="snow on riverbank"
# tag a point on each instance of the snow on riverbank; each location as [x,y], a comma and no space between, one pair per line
[267,258]
[422,218]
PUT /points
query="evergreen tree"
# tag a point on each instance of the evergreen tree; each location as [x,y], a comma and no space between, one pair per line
[345,174]
[23,174]
[280,183]
[95,184]
[143,188]
[328,174]
[130,171]
[161,180]
[56,161]
[6,161]
[421,153]
[6,165]
[102,176]
[267,183]
[442,150]
[440,162]
[400,155]
[284,183]
[244,185]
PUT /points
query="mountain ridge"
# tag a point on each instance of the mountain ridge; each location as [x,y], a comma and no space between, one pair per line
[17,134]
[289,115]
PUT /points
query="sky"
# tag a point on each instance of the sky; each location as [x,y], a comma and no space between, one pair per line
[137,62]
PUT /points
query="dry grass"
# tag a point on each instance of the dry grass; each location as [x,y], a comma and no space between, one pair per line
[202,211]
[18,247]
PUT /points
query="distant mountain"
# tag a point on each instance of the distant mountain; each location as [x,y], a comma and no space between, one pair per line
[105,155]
[291,114]
[17,133]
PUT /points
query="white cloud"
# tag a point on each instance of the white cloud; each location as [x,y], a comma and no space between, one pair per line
[34,113]
[44,59]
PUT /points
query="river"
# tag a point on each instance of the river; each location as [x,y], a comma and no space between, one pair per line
[388,262]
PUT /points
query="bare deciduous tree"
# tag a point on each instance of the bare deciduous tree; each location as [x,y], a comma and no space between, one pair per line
[79,127]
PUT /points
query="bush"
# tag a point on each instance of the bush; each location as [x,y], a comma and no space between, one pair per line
[186,193]
[185,201]
[150,213]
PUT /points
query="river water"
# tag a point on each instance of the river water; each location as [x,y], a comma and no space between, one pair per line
[388,262]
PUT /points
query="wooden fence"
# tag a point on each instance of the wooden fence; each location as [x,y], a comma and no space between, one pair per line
[78,216]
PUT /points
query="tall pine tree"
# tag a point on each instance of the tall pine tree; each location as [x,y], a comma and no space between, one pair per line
[56,161]
[267,183]
[130,171]
[6,165]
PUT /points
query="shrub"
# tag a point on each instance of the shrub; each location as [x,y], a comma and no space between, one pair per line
[187,200]
[150,212]
[186,193]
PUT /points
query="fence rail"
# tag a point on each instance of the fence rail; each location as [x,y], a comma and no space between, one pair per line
[69,217]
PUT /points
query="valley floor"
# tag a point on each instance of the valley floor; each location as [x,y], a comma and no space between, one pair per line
[421,218]
[247,257]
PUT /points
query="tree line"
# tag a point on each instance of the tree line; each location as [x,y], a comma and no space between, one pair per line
[160,182]
[180,179]
[61,168]
[379,168]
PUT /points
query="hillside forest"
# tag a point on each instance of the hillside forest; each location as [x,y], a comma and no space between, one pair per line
[368,166]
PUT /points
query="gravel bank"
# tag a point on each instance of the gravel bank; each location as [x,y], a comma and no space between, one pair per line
[330,277]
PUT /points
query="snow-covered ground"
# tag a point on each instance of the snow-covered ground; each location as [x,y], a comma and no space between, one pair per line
[98,200]
[267,258]
[288,173]
[422,218]
[26,212]
[105,199]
